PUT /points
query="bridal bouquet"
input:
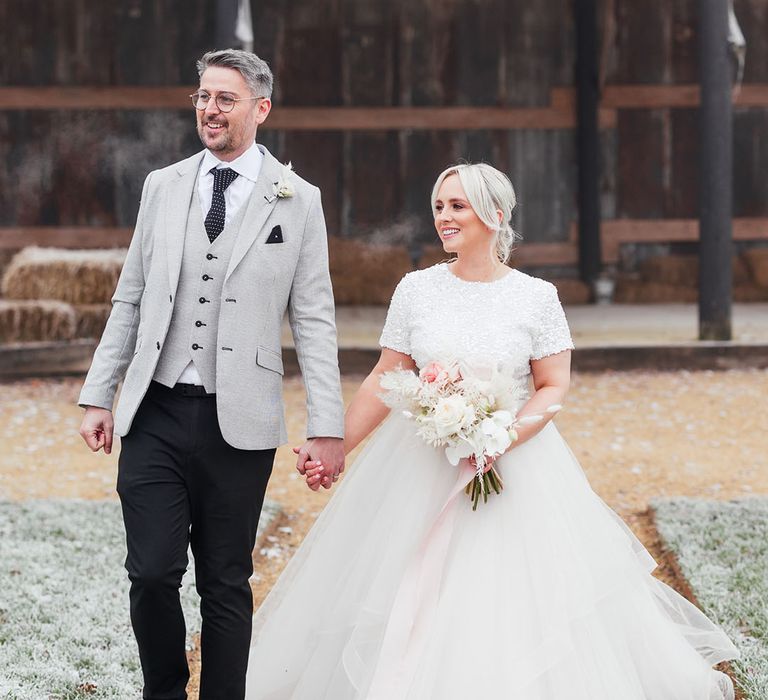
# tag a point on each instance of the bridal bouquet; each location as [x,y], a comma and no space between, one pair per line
[470,411]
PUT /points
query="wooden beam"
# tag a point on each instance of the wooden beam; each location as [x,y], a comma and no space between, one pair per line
[558,115]
[107,97]
[658,96]
[417,118]
[561,116]
[650,96]
[615,232]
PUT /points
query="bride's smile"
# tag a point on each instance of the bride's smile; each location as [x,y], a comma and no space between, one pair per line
[458,225]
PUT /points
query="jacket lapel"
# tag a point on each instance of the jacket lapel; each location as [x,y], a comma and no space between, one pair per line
[178,201]
[260,205]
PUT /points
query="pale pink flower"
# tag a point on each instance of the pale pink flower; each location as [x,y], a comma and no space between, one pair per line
[432,372]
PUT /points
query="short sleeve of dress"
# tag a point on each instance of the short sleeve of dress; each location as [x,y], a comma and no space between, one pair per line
[550,333]
[397,334]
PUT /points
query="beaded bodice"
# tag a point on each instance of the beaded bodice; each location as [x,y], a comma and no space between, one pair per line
[435,315]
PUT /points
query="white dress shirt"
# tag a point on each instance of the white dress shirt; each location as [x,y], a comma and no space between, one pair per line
[247,166]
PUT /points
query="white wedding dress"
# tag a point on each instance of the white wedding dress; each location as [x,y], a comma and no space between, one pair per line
[401,592]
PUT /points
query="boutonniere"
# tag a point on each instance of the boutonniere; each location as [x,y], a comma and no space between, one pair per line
[282,189]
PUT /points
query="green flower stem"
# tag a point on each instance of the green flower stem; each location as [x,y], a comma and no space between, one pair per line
[477,487]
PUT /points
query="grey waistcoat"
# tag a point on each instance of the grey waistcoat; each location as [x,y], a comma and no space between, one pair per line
[195,320]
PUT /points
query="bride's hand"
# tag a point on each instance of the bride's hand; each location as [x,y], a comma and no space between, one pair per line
[316,477]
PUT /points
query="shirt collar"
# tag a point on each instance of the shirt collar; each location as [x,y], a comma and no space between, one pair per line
[246,165]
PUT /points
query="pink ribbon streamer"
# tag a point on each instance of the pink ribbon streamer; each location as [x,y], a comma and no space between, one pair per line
[415,603]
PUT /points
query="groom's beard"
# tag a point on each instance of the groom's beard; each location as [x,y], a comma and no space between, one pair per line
[226,140]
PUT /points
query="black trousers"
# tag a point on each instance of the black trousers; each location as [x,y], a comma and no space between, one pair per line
[180,483]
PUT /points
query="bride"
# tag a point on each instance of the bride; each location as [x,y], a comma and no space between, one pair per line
[401,591]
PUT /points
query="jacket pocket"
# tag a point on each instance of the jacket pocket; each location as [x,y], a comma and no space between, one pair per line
[269,359]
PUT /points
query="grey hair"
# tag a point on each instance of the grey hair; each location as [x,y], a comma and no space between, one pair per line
[488,191]
[254,70]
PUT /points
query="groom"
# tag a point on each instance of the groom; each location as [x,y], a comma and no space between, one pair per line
[225,242]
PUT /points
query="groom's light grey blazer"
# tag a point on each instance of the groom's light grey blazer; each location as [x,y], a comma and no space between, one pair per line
[265,279]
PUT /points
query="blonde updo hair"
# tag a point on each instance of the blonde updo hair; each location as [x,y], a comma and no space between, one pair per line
[488,191]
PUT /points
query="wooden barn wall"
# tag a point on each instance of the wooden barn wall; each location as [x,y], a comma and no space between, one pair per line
[86,167]
[654,43]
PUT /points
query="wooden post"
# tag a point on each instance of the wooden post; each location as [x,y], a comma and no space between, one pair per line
[715,172]
[226,16]
[588,140]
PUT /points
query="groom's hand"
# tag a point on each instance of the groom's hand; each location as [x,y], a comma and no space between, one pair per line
[96,429]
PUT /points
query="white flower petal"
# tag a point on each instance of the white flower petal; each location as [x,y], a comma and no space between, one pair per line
[529,420]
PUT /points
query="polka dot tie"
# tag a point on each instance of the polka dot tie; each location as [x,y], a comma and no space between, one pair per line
[214,221]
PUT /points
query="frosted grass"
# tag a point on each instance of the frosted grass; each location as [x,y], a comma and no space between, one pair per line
[65,630]
[722,549]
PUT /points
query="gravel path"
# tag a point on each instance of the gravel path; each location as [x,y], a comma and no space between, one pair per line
[637,435]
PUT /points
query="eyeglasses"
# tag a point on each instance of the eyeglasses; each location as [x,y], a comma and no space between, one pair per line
[225,103]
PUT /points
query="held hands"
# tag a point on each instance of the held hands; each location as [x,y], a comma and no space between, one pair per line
[97,428]
[320,461]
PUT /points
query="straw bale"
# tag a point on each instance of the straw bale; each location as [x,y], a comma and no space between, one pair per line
[683,270]
[632,290]
[29,321]
[746,293]
[740,271]
[756,261]
[365,274]
[6,255]
[74,276]
[671,270]
[90,319]
[572,291]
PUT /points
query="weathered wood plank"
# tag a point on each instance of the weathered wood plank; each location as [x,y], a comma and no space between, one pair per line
[371,159]
[682,195]
[640,184]
[683,53]
[424,156]
[316,156]
[542,172]
[309,60]
[750,158]
[427,53]
[91,42]
[642,41]
[479,81]
[374,192]
[539,39]
[58,171]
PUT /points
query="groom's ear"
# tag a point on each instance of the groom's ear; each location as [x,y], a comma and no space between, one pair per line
[276,236]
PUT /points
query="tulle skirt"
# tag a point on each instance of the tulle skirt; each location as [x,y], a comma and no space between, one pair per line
[401,592]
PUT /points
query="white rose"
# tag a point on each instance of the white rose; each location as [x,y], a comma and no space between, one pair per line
[451,414]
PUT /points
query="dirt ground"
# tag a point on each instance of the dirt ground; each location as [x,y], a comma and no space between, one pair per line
[637,435]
